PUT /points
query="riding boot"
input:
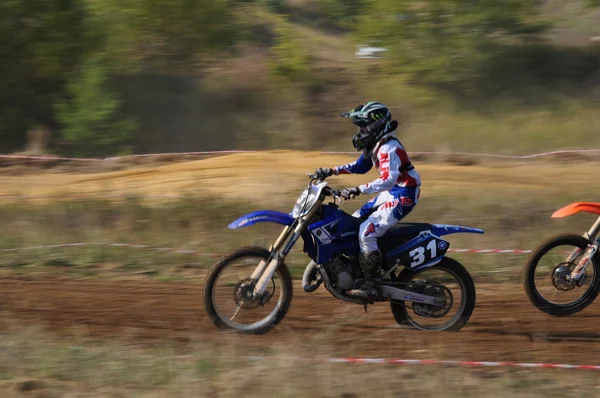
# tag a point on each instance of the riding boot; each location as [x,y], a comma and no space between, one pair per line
[369,264]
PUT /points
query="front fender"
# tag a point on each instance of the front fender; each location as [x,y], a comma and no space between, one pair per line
[262,216]
[445,229]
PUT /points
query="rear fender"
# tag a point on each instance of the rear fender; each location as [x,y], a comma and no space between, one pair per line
[574,208]
[262,216]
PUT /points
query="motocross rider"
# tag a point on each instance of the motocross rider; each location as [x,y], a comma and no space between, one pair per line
[398,186]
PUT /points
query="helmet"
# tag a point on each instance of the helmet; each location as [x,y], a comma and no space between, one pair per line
[372,119]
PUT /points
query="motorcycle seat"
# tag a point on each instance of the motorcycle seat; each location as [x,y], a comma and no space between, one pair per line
[399,234]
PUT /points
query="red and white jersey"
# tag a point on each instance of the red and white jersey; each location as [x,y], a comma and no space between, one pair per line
[395,168]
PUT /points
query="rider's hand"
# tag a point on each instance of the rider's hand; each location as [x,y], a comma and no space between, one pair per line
[323,172]
[350,193]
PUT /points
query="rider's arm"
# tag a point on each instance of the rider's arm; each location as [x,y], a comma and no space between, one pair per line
[389,171]
[359,166]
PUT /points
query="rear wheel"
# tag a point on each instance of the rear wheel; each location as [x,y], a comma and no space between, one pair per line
[227,293]
[447,280]
[546,276]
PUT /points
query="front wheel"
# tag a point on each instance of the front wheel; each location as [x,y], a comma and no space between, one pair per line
[448,280]
[546,274]
[227,297]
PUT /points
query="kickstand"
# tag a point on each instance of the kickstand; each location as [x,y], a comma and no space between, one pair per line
[365,307]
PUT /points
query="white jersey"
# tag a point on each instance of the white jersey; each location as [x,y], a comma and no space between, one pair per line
[393,163]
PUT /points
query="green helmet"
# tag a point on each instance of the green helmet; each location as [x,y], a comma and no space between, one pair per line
[372,119]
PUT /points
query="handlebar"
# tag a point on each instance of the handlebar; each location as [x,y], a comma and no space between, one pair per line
[336,193]
[313,177]
[329,191]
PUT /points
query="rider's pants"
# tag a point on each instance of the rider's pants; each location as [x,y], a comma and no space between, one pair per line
[383,212]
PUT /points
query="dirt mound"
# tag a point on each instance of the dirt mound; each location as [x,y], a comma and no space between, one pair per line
[263,174]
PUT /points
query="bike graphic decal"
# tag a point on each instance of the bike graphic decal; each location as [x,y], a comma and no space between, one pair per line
[424,250]
[420,254]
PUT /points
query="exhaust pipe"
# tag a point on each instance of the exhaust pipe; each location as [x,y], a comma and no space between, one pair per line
[311,279]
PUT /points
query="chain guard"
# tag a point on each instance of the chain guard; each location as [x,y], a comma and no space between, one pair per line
[434,289]
[431,311]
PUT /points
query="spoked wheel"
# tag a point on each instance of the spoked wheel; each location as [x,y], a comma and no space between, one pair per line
[547,279]
[228,293]
[448,281]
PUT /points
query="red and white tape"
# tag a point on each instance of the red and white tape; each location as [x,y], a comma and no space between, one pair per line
[384,361]
[184,251]
[490,155]
[511,251]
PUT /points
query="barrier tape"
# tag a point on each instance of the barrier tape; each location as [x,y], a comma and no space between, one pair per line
[491,155]
[183,251]
[384,361]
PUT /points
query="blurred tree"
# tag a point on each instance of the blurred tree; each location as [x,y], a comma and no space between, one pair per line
[89,117]
[290,59]
[163,36]
[41,43]
[344,13]
[45,43]
[278,6]
[443,42]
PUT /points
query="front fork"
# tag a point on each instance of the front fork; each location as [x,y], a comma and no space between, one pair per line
[582,264]
[279,251]
[588,254]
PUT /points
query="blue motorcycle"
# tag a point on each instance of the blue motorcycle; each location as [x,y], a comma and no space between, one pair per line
[257,299]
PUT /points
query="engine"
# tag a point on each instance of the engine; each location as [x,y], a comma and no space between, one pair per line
[341,272]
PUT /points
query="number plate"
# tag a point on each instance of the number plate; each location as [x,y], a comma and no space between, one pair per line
[422,251]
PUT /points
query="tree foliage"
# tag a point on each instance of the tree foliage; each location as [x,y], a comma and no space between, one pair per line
[345,13]
[61,58]
[46,44]
[89,116]
[290,59]
[41,43]
[163,35]
[444,41]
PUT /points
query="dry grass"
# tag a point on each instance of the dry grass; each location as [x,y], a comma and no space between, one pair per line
[33,364]
[511,201]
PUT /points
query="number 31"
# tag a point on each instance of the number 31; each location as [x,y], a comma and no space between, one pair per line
[418,253]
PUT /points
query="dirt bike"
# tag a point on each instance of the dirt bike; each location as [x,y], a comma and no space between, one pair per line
[330,238]
[567,269]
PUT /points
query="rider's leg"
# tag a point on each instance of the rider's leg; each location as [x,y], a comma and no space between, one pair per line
[391,207]
[368,208]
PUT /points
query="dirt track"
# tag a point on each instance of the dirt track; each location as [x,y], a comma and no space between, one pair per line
[504,326]
[284,172]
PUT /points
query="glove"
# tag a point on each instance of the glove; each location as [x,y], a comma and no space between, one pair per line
[323,172]
[350,193]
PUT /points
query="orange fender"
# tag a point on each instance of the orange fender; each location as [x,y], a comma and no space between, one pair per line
[574,208]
